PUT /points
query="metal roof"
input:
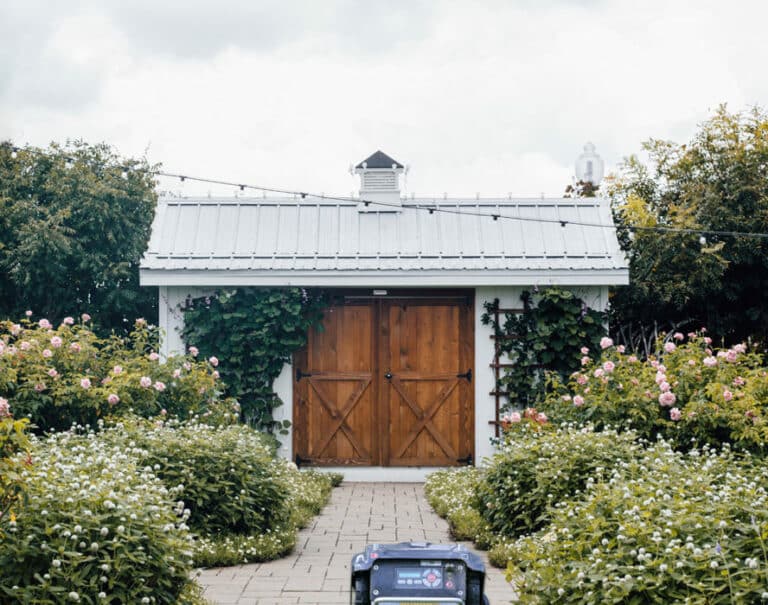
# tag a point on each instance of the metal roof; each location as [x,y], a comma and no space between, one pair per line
[379,159]
[315,241]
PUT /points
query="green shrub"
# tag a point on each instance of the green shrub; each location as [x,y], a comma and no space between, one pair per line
[226,475]
[535,469]
[13,442]
[667,528]
[450,493]
[67,375]
[96,527]
[693,394]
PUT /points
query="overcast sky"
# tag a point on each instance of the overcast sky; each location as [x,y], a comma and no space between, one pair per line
[474,95]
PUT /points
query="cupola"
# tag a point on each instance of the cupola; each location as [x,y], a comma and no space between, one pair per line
[380,182]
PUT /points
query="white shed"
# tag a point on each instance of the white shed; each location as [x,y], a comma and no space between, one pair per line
[400,380]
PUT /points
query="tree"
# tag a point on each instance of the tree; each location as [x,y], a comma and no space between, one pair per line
[75,221]
[716,182]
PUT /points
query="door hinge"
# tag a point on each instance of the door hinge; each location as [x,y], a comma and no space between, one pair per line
[300,375]
[467,375]
[299,461]
[468,460]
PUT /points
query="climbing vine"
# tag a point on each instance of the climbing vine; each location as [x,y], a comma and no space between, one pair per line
[546,337]
[253,332]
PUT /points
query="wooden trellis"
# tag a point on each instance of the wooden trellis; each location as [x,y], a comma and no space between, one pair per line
[497,366]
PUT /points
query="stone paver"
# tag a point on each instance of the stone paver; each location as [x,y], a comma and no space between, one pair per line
[318,569]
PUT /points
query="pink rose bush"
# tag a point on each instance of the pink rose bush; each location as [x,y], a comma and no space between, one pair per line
[65,375]
[690,393]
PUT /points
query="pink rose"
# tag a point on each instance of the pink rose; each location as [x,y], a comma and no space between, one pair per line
[5,409]
[186,365]
[28,313]
[44,324]
[609,366]
[655,364]
[599,372]
[47,353]
[581,379]
[56,342]
[667,398]
[621,349]
[584,350]
[691,362]
[140,321]
[68,321]
[153,356]
[85,383]
[159,386]
[678,336]
[541,417]
[25,346]
[675,414]
[632,359]
[514,417]
[660,377]
[634,381]
[605,342]
[40,387]
[710,361]
[731,355]
[664,386]
[145,382]
[669,347]
[15,329]
[117,370]
[707,340]
[727,395]
[585,360]
[216,374]
[739,381]
[578,401]
[163,412]
[75,346]
[740,348]
[193,351]
[213,361]
[52,373]
[113,399]
[176,373]
[85,317]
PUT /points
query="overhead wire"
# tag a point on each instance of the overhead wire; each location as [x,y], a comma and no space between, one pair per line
[455,209]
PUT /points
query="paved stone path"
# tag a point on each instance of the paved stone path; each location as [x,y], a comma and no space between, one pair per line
[318,569]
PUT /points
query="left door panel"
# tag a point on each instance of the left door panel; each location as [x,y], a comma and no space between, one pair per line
[335,390]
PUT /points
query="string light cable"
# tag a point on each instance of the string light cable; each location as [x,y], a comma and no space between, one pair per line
[466,212]
[432,208]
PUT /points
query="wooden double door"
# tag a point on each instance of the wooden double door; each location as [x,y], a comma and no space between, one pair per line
[387,382]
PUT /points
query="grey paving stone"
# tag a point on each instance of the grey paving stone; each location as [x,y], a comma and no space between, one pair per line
[317,571]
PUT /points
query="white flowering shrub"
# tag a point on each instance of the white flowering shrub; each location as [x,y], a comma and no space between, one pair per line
[536,467]
[244,504]
[226,475]
[692,394]
[450,493]
[666,528]
[64,375]
[95,526]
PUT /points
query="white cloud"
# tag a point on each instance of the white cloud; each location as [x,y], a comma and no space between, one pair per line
[487,96]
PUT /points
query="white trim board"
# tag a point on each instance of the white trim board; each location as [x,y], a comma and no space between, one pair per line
[384,279]
[383,474]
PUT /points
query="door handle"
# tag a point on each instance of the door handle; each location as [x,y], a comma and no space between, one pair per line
[388,375]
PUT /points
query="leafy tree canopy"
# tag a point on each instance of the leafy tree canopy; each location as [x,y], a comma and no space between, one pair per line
[74,226]
[716,182]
